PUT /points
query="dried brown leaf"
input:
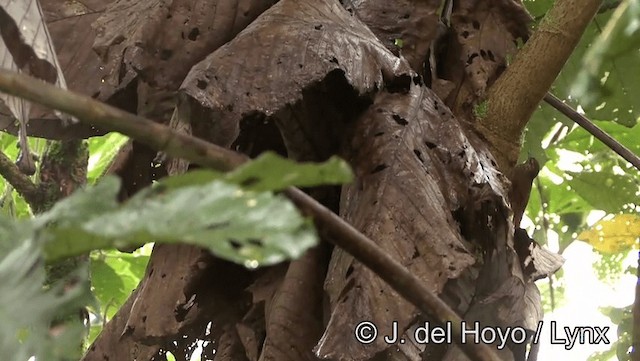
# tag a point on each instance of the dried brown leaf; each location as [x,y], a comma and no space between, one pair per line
[295,50]
[415,170]
[484,35]
[160,40]
[69,24]
[411,23]
[294,318]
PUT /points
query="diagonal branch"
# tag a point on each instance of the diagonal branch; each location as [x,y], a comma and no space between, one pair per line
[338,231]
[593,129]
[517,92]
[19,181]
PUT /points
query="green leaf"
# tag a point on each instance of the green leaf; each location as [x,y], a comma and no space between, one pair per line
[113,276]
[560,198]
[27,309]
[580,140]
[603,190]
[102,150]
[619,106]
[538,8]
[597,81]
[246,225]
[251,228]
[536,131]
[272,172]
[82,205]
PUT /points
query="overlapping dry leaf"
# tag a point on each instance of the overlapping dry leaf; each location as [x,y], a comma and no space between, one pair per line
[297,302]
[160,40]
[415,170]
[26,47]
[296,50]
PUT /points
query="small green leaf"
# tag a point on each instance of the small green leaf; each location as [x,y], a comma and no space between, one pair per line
[272,172]
[102,150]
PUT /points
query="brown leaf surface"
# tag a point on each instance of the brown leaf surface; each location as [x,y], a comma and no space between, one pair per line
[133,43]
[230,348]
[160,40]
[537,262]
[69,24]
[294,317]
[484,34]
[415,169]
[412,22]
[296,50]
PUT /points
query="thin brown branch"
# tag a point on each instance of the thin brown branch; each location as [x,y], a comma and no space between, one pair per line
[593,129]
[146,131]
[19,181]
[198,151]
[515,95]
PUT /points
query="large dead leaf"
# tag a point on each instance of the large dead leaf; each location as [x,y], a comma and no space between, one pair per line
[160,40]
[26,47]
[297,302]
[415,169]
[69,24]
[306,63]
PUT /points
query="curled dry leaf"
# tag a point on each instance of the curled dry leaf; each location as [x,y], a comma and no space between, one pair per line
[418,177]
[305,63]
[537,262]
[160,40]
[26,47]
[69,24]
